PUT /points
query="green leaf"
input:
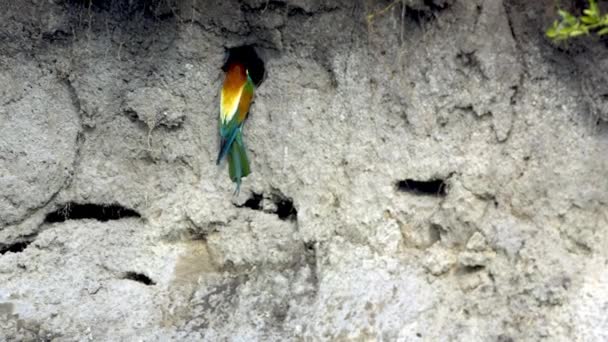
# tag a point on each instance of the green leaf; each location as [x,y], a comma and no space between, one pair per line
[589,20]
[568,18]
[593,8]
[577,32]
[572,26]
[552,30]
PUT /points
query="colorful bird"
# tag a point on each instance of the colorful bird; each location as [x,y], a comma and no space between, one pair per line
[236,97]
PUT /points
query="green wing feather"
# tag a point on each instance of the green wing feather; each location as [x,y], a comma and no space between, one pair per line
[238,163]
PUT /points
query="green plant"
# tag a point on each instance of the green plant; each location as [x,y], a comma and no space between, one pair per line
[570,26]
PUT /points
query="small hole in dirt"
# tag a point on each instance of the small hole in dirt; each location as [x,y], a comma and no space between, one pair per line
[58,35]
[310,246]
[16,247]
[286,210]
[254,202]
[100,212]
[434,233]
[420,15]
[504,338]
[472,269]
[139,277]
[247,56]
[297,11]
[467,59]
[433,187]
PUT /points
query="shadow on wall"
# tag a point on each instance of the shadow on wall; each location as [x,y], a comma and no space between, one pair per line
[158,9]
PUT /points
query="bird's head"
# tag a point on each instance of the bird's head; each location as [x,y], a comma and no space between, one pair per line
[247,57]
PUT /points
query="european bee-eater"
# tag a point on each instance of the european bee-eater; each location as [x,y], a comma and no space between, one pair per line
[236,97]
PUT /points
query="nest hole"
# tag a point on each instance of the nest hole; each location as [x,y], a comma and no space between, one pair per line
[82,211]
[433,187]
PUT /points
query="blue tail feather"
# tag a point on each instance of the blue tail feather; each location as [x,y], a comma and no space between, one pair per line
[226,144]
